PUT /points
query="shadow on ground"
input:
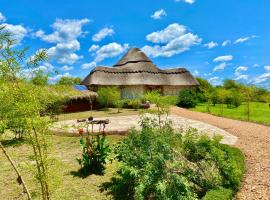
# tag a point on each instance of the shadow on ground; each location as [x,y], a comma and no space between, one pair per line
[82,173]
[118,189]
[14,142]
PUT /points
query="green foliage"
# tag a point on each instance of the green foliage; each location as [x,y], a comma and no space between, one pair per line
[219,194]
[204,90]
[69,81]
[40,78]
[162,103]
[24,103]
[233,98]
[132,103]
[108,96]
[187,98]
[95,151]
[157,163]
[231,84]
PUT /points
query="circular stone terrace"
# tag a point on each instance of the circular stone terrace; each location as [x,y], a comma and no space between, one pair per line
[121,125]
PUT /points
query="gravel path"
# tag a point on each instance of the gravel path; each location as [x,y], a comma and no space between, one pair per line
[254,141]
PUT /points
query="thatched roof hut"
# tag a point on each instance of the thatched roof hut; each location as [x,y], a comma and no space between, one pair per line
[136,73]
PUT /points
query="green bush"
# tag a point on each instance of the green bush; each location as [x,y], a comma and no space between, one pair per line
[233,99]
[187,99]
[108,96]
[131,103]
[219,194]
[157,163]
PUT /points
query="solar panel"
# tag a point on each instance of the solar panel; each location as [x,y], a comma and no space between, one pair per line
[80,87]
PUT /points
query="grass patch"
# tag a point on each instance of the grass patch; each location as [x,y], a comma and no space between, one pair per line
[219,194]
[110,112]
[260,112]
[66,149]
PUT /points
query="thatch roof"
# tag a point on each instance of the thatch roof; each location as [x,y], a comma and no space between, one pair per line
[71,93]
[135,68]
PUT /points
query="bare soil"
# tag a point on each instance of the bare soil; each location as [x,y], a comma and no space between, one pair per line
[254,141]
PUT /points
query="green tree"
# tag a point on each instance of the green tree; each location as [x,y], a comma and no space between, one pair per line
[162,103]
[108,96]
[248,95]
[187,98]
[69,81]
[204,90]
[40,78]
[222,94]
[231,84]
[24,102]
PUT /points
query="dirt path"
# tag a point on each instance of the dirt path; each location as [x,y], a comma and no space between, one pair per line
[254,141]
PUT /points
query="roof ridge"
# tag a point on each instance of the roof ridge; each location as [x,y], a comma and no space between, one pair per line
[131,61]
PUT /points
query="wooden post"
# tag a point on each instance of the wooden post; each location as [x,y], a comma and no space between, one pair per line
[19,179]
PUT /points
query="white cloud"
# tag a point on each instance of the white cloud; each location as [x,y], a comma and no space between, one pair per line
[256,65]
[89,65]
[239,70]
[267,68]
[65,35]
[220,67]
[2,18]
[102,34]
[45,67]
[93,48]
[225,58]
[241,77]
[59,76]
[244,39]
[109,51]
[225,43]
[64,52]
[66,68]
[262,78]
[18,32]
[214,80]
[174,39]
[64,30]
[159,14]
[196,72]
[211,45]
[186,1]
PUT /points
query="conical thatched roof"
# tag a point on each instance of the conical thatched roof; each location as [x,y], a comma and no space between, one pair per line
[134,55]
[135,68]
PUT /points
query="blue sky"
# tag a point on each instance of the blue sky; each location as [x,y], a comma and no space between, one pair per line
[213,39]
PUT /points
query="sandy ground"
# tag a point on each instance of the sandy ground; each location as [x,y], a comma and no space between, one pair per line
[254,141]
[121,124]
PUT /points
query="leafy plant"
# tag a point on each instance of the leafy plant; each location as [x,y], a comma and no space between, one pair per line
[162,103]
[187,98]
[108,96]
[159,163]
[95,151]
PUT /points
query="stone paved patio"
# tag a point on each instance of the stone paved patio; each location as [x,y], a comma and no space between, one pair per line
[122,124]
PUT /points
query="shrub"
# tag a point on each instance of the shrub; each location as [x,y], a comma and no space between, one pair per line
[108,96]
[218,194]
[233,99]
[187,99]
[157,163]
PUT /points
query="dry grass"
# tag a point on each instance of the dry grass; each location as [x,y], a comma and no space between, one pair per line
[66,149]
